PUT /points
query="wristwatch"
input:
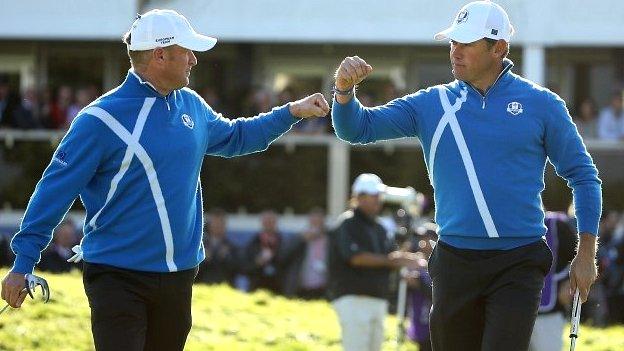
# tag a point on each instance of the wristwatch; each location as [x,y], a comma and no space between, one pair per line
[344,92]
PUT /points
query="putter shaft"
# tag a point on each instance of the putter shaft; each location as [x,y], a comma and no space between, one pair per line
[575,319]
[4,308]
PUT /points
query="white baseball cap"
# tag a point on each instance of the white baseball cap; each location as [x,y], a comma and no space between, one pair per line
[162,28]
[368,183]
[478,20]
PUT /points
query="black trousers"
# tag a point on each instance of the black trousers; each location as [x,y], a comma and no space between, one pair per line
[486,300]
[138,311]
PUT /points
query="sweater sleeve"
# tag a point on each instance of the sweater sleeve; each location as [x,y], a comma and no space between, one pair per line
[73,165]
[355,123]
[229,138]
[566,151]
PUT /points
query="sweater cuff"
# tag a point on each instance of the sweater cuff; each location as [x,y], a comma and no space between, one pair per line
[283,114]
[23,265]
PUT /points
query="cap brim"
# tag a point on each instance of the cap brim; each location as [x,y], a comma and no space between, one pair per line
[458,34]
[198,42]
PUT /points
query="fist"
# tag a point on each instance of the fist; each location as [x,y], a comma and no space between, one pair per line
[311,106]
[352,71]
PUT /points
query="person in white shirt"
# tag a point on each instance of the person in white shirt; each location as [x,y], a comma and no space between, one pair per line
[611,120]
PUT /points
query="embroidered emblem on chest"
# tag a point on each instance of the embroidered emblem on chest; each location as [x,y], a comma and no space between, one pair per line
[515,108]
[188,121]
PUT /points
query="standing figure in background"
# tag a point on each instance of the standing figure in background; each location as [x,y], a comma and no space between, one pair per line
[221,260]
[551,320]
[263,262]
[361,257]
[54,258]
[313,272]
[611,119]
[419,283]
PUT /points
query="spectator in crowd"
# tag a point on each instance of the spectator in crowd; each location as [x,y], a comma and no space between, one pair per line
[258,100]
[556,298]
[595,310]
[60,105]
[361,257]
[6,255]
[366,100]
[389,92]
[419,283]
[313,272]
[612,264]
[4,98]
[14,112]
[213,99]
[287,94]
[311,127]
[611,120]
[221,255]
[263,260]
[54,258]
[82,99]
[586,120]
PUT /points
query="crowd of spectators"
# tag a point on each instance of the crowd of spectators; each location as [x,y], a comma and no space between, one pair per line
[56,108]
[603,124]
[48,109]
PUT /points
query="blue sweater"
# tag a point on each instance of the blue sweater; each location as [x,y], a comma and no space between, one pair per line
[486,156]
[134,157]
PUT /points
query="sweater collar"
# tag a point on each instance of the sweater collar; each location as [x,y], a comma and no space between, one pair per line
[503,77]
[134,80]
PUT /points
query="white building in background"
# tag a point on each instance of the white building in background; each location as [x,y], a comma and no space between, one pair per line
[575,47]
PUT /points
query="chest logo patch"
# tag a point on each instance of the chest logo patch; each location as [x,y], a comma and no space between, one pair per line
[515,108]
[188,121]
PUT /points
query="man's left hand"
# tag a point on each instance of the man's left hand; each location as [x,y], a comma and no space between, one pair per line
[583,270]
[311,106]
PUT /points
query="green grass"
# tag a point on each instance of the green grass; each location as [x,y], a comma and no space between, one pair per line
[223,319]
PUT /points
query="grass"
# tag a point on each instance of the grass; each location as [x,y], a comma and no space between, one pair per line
[223,319]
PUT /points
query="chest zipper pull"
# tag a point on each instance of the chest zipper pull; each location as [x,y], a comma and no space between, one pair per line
[483,104]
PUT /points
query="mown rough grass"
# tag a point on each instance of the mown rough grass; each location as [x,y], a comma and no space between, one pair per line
[223,319]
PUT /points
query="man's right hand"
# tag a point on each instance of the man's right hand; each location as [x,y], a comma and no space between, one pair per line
[352,71]
[410,260]
[13,289]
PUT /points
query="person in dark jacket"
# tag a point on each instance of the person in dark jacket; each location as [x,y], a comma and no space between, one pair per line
[361,257]
[220,263]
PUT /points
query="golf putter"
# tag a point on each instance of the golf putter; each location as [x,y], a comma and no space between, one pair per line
[575,319]
[31,282]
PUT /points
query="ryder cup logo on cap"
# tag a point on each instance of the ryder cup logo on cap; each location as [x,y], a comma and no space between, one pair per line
[162,28]
[478,20]
[368,183]
[462,16]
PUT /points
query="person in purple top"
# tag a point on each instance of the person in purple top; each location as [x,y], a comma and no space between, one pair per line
[420,289]
[551,320]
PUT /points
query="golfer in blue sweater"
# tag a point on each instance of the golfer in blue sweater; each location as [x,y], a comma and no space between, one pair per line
[486,138]
[134,157]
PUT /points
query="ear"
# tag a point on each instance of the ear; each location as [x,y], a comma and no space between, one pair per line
[158,55]
[500,48]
